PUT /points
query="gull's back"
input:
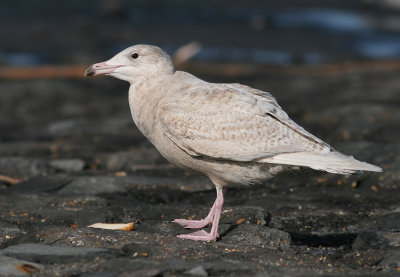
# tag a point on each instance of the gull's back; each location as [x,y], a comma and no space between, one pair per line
[233,123]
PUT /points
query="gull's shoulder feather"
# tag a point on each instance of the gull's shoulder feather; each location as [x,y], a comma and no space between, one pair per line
[230,121]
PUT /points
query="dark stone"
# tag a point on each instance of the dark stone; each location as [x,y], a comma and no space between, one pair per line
[369,240]
[94,186]
[391,260]
[142,273]
[131,160]
[324,239]
[81,218]
[22,167]
[389,221]
[40,184]
[221,266]
[371,258]
[55,254]
[15,267]
[197,271]
[259,236]
[68,165]
[136,249]
[79,210]
[252,215]
[64,127]
[101,274]
[392,238]
[9,232]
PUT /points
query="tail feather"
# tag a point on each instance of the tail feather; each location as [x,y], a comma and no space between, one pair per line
[333,162]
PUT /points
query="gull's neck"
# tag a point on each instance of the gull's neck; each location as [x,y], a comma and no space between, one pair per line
[144,96]
[148,80]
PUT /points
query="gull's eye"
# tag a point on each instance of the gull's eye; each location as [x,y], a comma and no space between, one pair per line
[135,55]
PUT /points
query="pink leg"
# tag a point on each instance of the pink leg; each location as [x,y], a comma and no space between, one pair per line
[214,215]
[196,224]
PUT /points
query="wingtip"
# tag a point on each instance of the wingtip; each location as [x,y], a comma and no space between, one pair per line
[370,167]
[377,169]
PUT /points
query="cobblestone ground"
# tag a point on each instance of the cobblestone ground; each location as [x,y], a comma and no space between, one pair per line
[75,158]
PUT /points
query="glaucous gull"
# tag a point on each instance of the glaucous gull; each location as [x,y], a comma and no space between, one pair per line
[232,133]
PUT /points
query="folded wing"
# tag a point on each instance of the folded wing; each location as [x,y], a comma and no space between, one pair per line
[233,122]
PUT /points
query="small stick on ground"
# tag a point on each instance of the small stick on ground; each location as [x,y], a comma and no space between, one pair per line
[113,226]
[9,179]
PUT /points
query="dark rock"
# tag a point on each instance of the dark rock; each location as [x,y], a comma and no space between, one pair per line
[388,222]
[94,186]
[68,165]
[130,160]
[121,184]
[259,236]
[82,236]
[392,238]
[55,254]
[26,149]
[22,167]
[9,232]
[101,274]
[136,249]
[81,218]
[391,260]
[219,266]
[323,239]
[40,184]
[15,267]
[150,272]
[197,271]
[129,265]
[65,127]
[369,240]
[77,210]
[252,215]
[366,259]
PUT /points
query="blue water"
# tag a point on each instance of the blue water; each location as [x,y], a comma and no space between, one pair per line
[322,19]
[242,55]
[21,59]
[382,47]
[357,34]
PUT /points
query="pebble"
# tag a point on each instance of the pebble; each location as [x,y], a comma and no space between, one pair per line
[197,271]
[68,165]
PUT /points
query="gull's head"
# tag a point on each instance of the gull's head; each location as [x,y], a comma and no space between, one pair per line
[134,63]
